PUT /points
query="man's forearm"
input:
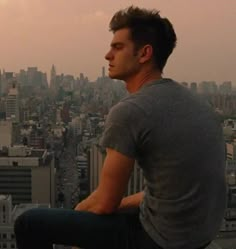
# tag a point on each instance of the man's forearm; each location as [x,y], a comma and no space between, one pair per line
[130,202]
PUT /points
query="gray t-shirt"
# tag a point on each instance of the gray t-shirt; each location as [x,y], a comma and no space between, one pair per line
[177,140]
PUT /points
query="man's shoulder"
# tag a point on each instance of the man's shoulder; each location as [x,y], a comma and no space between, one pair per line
[124,110]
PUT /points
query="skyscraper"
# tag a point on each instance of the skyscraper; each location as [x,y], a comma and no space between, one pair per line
[53,78]
[12,105]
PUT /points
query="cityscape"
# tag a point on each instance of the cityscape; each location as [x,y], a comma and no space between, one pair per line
[50,129]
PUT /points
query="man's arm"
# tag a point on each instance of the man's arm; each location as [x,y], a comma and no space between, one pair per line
[114,179]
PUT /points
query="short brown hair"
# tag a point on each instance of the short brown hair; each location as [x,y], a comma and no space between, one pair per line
[147,27]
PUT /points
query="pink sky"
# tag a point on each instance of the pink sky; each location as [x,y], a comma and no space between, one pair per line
[73,35]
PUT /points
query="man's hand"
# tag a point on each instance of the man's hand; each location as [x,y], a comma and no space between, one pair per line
[86,204]
[130,202]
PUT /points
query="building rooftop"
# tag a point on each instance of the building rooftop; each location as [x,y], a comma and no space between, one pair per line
[25,156]
[22,151]
[4,197]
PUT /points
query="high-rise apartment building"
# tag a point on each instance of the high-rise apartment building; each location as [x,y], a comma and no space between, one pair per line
[226,87]
[12,105]
[5,134]
[82,167]
[96,158]
[208,87]
[28,175]
[7,78]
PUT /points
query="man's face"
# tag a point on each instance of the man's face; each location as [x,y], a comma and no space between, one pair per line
[123,60]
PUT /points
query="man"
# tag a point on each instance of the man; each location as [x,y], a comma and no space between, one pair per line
[173,135]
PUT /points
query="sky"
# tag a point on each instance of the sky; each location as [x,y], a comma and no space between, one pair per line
[74,36]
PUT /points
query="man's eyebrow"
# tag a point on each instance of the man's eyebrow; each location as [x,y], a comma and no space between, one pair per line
[115,44]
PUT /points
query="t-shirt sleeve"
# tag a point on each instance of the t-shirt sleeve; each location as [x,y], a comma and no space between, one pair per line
[118,134]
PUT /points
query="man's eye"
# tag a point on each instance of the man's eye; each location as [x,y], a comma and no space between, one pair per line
[118,47]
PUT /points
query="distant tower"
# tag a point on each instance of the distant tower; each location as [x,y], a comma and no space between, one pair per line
[12,104]
[193,87]
[103,72]
[53,77]
[3,82]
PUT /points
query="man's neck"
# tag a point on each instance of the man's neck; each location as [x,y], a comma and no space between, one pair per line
[134,84]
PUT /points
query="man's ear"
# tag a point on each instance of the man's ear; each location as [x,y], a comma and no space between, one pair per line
[145,53]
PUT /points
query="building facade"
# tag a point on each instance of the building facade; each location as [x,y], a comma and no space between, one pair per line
[28,175]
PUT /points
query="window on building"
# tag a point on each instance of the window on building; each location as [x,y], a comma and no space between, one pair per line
[4,245]
[4,235]
[13,246]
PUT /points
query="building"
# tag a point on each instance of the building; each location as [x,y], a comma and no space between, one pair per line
[7,238]
[7,78]
[96,158]
[82,167]
[208,87]
[8,215]
[193,87]
[231,151]
[226,87]
[5,134]
[12,105]
[53,78]
[28,175]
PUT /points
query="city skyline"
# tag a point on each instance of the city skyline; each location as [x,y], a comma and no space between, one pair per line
[75,36]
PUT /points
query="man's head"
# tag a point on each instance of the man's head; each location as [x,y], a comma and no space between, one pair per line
[147,27]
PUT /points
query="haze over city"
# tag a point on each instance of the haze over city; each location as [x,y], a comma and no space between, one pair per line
[74,35]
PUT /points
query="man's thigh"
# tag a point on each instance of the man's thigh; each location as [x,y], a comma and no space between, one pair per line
[76,228]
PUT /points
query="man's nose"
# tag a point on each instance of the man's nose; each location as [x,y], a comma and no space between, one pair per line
[108,55]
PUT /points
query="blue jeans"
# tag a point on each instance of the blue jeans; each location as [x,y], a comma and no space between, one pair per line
[41,228]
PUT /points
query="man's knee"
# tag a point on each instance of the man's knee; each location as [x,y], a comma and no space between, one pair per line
[21,224]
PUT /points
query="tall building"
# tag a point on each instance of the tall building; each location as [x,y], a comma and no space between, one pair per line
[208,87]
[12,105]
[31,80]
[7,79]
[7,239]
[184,84]
[82,167]
[6,134]
[8,215]
[193,87]
[53,78]
[28,175]
[31,75]
[231,151]
[226,87]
